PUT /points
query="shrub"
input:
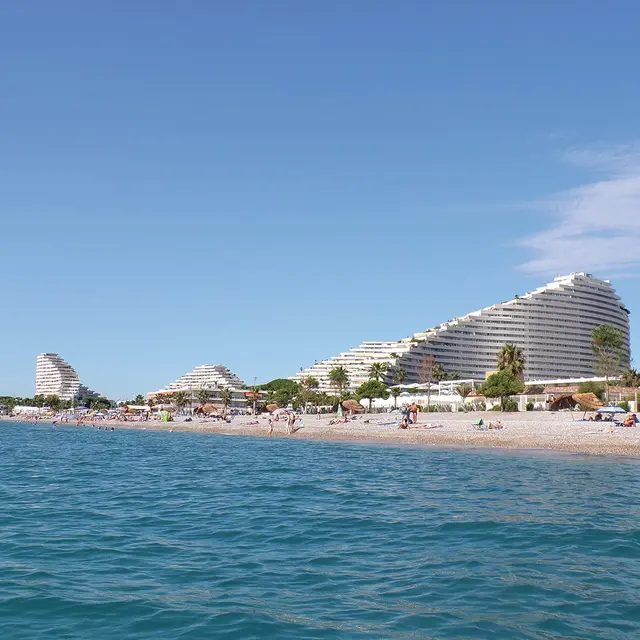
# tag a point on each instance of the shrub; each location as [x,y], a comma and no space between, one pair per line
[509,405]
[624,405]
[592,387]
[529,406]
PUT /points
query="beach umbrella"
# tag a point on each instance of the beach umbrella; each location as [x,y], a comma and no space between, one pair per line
[610,410]
[352,405]
[571,400]
[271,407]
[277,412]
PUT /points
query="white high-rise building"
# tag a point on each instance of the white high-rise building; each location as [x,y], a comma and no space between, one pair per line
[551,325]
[55,377]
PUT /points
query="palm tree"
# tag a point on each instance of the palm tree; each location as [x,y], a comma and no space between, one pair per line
[606,345]
[399,375]
[511,358]
[439,373]
[307,387]
[463,391]
[226,396]
[180,399]
[395,392]
[204,396]
[631,379]
[339,378]
[378,370]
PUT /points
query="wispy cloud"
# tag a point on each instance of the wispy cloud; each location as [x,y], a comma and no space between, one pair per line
[596,227]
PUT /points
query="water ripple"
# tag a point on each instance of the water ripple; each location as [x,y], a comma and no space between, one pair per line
[143,534]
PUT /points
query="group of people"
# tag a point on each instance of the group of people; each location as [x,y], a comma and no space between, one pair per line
[409,415]
[291,421]
[630,421]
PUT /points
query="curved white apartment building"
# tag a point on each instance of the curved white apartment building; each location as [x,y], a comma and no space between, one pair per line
[212,377]
[55,377]
[552,325]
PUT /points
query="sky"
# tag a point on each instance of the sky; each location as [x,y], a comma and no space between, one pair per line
[266,184]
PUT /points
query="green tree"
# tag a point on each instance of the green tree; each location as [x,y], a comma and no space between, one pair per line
[463,390]
[399,375]
[203,395]
[339,379]
[306,388]
[53,402]
[511,358]
[378,370]
[606,344]
[395,392]
[502,385]
[592,387]
[439,373]
[280,391]
[631,379]
[226,397]
[139,399]
[372,389]
[100,404]
[426,376]
[180,399]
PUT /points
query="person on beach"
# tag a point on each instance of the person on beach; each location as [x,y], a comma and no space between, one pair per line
[413,410]
[318,411]
[405,422]
[291,422]
[270,431]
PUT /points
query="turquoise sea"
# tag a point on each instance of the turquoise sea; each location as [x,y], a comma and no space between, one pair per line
[143,534]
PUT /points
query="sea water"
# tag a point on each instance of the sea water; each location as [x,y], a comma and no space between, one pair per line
[145,534]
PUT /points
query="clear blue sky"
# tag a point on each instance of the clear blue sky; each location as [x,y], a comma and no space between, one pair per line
[263,184]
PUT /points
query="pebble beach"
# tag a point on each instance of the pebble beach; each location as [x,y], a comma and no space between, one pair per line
[557,431]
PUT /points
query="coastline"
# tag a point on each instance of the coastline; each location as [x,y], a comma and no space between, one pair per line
[524,431]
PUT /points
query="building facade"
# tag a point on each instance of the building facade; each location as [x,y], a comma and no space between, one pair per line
[209,377]
[55,377]
[551,325]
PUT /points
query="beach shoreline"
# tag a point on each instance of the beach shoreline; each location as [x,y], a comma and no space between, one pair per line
[523,431]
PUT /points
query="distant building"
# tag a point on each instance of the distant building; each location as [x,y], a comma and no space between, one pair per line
[209,377]
[551,325]
[55,377]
